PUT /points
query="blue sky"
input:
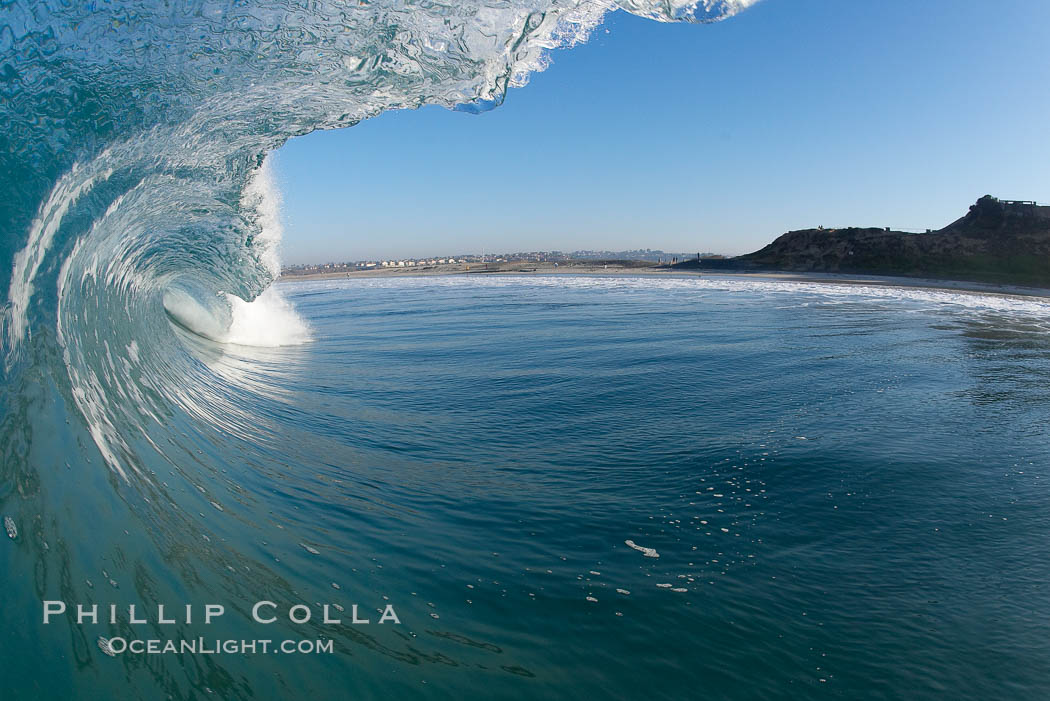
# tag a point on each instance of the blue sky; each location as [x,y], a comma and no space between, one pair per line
[795,113]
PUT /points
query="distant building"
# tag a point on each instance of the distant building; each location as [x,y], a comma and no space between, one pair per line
[1023,207]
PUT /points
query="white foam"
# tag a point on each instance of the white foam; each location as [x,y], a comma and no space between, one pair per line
[649,552]
[828,292]
[269,320]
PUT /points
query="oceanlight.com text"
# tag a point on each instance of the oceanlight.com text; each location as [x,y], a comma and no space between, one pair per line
[201,646]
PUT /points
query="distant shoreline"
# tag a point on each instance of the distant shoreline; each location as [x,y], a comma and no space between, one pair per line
[611,270]
[997,247]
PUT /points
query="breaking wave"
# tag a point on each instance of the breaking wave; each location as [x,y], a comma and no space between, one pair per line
[135,159]
[141,234]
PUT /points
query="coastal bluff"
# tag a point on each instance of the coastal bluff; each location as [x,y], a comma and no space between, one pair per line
[999,241]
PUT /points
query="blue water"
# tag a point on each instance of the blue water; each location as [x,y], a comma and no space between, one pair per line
[848,486]
[845,487]
[567,487]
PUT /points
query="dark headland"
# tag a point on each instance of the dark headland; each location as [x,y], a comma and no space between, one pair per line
[998,241]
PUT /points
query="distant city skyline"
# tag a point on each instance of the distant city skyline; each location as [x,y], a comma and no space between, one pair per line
[640,254]
[712,138]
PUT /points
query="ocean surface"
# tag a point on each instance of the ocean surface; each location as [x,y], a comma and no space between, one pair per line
[567,487]
[564,487]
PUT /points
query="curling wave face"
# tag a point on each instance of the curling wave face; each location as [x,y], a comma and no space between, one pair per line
[136,178]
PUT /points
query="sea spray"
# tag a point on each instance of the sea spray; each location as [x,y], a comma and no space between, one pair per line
[268,320]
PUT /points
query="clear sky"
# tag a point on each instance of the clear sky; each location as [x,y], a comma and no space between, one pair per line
[795,113]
